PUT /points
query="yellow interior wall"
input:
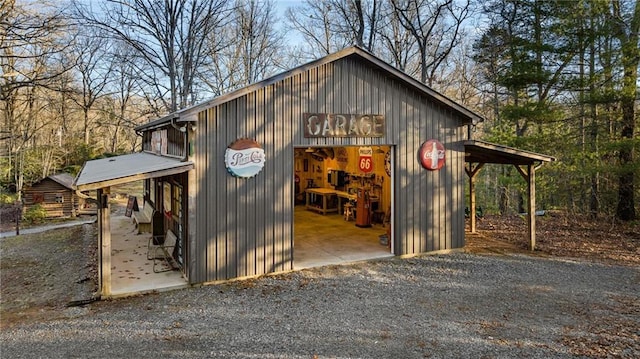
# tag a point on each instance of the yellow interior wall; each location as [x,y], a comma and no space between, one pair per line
[318,171]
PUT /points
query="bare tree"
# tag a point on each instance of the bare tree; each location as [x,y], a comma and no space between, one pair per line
[314,20]
[331,25]
[169,36]
[94,69]
[437,28]
[122,110]
[30,37]
[397,44]
[253,47]
[357,21]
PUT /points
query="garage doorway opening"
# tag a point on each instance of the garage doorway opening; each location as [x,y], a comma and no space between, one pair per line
[343,204]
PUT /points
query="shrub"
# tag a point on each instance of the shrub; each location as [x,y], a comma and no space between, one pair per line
[35,214]
[7,198]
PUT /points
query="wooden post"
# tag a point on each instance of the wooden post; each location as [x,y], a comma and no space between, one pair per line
[472,172]
[104,242]
[530,177]
[532,206]
[472,203]
[18,215]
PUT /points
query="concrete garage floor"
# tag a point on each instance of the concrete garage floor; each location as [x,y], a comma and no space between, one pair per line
[319,240]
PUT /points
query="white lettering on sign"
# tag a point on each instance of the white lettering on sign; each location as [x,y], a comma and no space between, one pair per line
[340,125]
[432,155]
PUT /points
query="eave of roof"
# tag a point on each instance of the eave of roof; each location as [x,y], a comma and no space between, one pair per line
[350,51]
[477,151]
[112,171]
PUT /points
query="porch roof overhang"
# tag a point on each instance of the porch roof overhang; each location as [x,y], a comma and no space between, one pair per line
[485,152]
[107,172]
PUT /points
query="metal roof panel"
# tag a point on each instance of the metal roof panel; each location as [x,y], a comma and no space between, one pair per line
[486,152]
[106,172]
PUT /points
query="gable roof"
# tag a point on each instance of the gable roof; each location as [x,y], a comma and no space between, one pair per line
[350,52]
[63,179]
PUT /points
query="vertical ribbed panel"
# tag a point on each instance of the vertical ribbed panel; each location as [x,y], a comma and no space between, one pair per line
[245,226]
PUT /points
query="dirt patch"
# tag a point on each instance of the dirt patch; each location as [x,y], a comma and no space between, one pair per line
[561,235]
[41,273]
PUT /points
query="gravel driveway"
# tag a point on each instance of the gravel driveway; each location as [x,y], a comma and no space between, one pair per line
[454,306]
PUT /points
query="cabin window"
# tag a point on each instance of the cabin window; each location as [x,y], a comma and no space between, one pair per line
[59,198]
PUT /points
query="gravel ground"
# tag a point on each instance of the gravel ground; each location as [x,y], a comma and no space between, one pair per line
[455,306]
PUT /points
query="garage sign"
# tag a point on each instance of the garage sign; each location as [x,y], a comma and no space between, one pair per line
[365,159]
[432,155]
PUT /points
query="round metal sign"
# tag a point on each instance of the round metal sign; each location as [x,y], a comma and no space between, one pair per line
[244,158]
[432,155]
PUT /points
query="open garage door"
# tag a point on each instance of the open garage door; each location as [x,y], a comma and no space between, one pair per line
[343,203]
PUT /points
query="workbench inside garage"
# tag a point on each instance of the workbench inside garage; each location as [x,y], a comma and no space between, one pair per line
[327,199]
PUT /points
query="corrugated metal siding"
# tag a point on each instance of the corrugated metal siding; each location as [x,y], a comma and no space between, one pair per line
[245,226]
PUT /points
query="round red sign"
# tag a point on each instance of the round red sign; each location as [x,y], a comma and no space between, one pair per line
[432,155]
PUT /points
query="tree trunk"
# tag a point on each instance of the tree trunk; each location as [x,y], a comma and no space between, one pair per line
[630,61]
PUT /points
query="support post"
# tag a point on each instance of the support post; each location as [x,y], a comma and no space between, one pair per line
[472,203]
[104,242]
[472,172]
[532,206]
[530,176]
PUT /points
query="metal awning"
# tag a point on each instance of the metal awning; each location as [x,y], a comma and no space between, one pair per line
[486,152]
[112,171]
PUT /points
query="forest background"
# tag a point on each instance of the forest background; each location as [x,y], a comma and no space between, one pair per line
[550,76]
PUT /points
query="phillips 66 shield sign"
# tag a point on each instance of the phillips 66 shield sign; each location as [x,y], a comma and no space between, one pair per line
[365,160]
[432,155]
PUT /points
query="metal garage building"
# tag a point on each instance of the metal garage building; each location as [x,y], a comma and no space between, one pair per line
[227,183]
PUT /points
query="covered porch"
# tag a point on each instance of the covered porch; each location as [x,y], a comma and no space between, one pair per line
[478,153]
[122,251]
[131,270]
